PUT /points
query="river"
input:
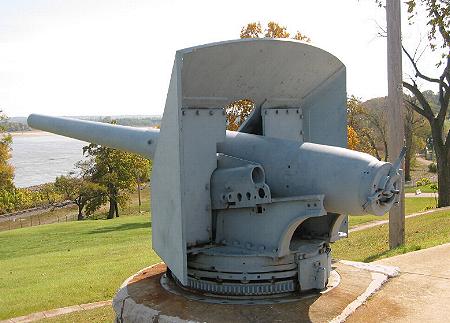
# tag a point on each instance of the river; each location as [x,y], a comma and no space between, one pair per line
[40,157]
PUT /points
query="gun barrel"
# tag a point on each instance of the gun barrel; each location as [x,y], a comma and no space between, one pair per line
[133,140]
[351,181]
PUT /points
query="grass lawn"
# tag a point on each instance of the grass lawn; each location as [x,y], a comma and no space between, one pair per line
[421,232]
[412,205]
[51,216]
[423,189]
[70,213]
[63,264]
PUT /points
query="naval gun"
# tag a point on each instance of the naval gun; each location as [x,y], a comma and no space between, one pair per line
[250,213]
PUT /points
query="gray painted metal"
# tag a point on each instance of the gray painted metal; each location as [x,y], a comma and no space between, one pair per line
[267,229]
[238,183]
[171,286]
[166,200]
[134,140]
[244,289]
[223,72]
[328,167]
[315,169]
[290,118]
[266,200]
[181,211]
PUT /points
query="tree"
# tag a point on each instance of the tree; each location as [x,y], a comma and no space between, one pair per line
[117,172]
[352,138]
[6,170]
[377,130]
[142,170]
[273,30]
[367,123]
[416,132]
[238,111]
[79,190]
[49,193]
[438,25]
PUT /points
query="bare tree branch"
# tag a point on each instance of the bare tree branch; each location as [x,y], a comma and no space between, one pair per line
[415,107]
[426,109]
[444,93]
[423,51]
[418,73]
[415,51]
[382,32]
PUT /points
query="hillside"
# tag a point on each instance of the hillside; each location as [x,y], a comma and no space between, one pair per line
[19,124]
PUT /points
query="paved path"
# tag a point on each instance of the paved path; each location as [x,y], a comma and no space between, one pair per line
[421,195]
[56,312]
[421,293]
[423,160]
[372,224]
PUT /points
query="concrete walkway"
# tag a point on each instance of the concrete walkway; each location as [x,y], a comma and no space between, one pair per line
[56,312]
[372,224]
[421,293]
[421,195]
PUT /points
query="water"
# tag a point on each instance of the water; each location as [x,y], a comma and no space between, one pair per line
[40,157]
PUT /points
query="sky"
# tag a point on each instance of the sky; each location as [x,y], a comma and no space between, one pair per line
[114,57]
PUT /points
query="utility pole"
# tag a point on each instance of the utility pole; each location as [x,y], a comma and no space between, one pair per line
[395,114]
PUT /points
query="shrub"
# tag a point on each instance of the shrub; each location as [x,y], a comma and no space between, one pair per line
[423,181]
[434,187]
[17,199]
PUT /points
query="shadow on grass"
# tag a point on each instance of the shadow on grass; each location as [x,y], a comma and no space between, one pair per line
[394,252]
[122,227]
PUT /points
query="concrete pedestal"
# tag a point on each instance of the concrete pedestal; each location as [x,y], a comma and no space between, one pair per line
[142,299]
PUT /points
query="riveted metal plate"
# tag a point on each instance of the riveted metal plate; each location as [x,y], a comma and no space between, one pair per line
[283,123]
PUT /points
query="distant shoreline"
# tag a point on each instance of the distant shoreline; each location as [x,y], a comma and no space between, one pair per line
[30,133]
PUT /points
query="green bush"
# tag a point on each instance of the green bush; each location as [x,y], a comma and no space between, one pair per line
[17,199]
[432,168]
[434,187]
[423,181]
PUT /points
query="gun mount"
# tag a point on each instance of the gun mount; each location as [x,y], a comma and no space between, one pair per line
[250,213]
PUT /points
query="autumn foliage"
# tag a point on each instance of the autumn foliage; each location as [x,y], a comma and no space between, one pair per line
[352,138]
[237,112]
[273,30]
[6,170]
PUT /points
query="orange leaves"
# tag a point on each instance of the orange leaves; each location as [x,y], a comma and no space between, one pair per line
[252,30]
[273,30]
[352,138]
[237,112]
[300,36]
